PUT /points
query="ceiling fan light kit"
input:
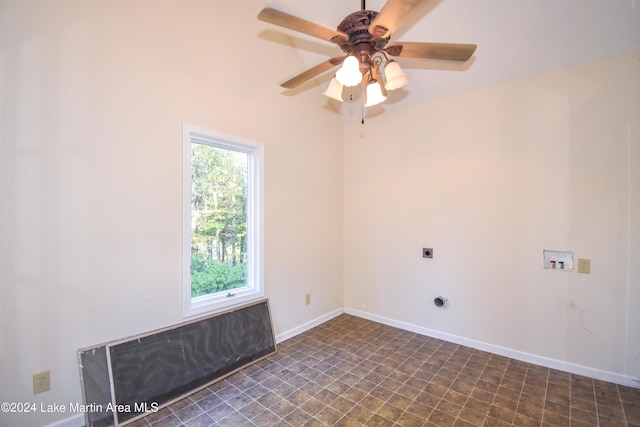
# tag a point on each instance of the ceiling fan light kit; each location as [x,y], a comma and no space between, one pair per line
[379,71]
[363,36]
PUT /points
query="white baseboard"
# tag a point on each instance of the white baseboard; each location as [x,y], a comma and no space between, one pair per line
[306,326]
[502,351]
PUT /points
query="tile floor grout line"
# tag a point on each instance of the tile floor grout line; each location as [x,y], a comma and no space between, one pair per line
[570,397]
[595,401]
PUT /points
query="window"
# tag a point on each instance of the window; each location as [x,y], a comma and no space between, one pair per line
[222,221]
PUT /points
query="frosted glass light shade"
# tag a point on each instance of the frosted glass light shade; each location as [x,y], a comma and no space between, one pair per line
[374,94]
[396,78]
[349,74]
[334,90]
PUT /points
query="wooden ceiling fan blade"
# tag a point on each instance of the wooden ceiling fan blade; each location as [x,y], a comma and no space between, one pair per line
[391,15]
[447,51]
[291,22]
[311,73]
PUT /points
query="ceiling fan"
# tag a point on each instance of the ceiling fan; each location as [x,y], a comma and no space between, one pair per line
[364,36]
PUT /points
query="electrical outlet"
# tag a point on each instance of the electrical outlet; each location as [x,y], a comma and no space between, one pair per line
[41,382]
[584,265]
[307,299]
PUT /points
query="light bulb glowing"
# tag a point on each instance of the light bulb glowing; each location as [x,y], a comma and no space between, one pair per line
[374,94]
[349,74]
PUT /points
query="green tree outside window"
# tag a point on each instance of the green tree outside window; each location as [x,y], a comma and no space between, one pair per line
[218,219]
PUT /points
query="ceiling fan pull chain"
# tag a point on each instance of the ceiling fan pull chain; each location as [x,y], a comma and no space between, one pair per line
[362,103]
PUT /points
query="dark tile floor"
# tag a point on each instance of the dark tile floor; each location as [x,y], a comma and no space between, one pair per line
[352,372]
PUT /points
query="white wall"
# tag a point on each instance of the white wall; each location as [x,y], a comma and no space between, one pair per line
[489,179]
[93,96]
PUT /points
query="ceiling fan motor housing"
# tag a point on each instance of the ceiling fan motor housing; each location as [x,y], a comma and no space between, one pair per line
[361,42]
[356,26]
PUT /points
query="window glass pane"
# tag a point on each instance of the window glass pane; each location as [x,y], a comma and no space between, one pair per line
[218,220]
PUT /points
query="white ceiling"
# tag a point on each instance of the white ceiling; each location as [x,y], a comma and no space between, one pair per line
[515,38]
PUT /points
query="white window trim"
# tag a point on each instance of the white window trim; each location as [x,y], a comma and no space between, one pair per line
[255,245]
